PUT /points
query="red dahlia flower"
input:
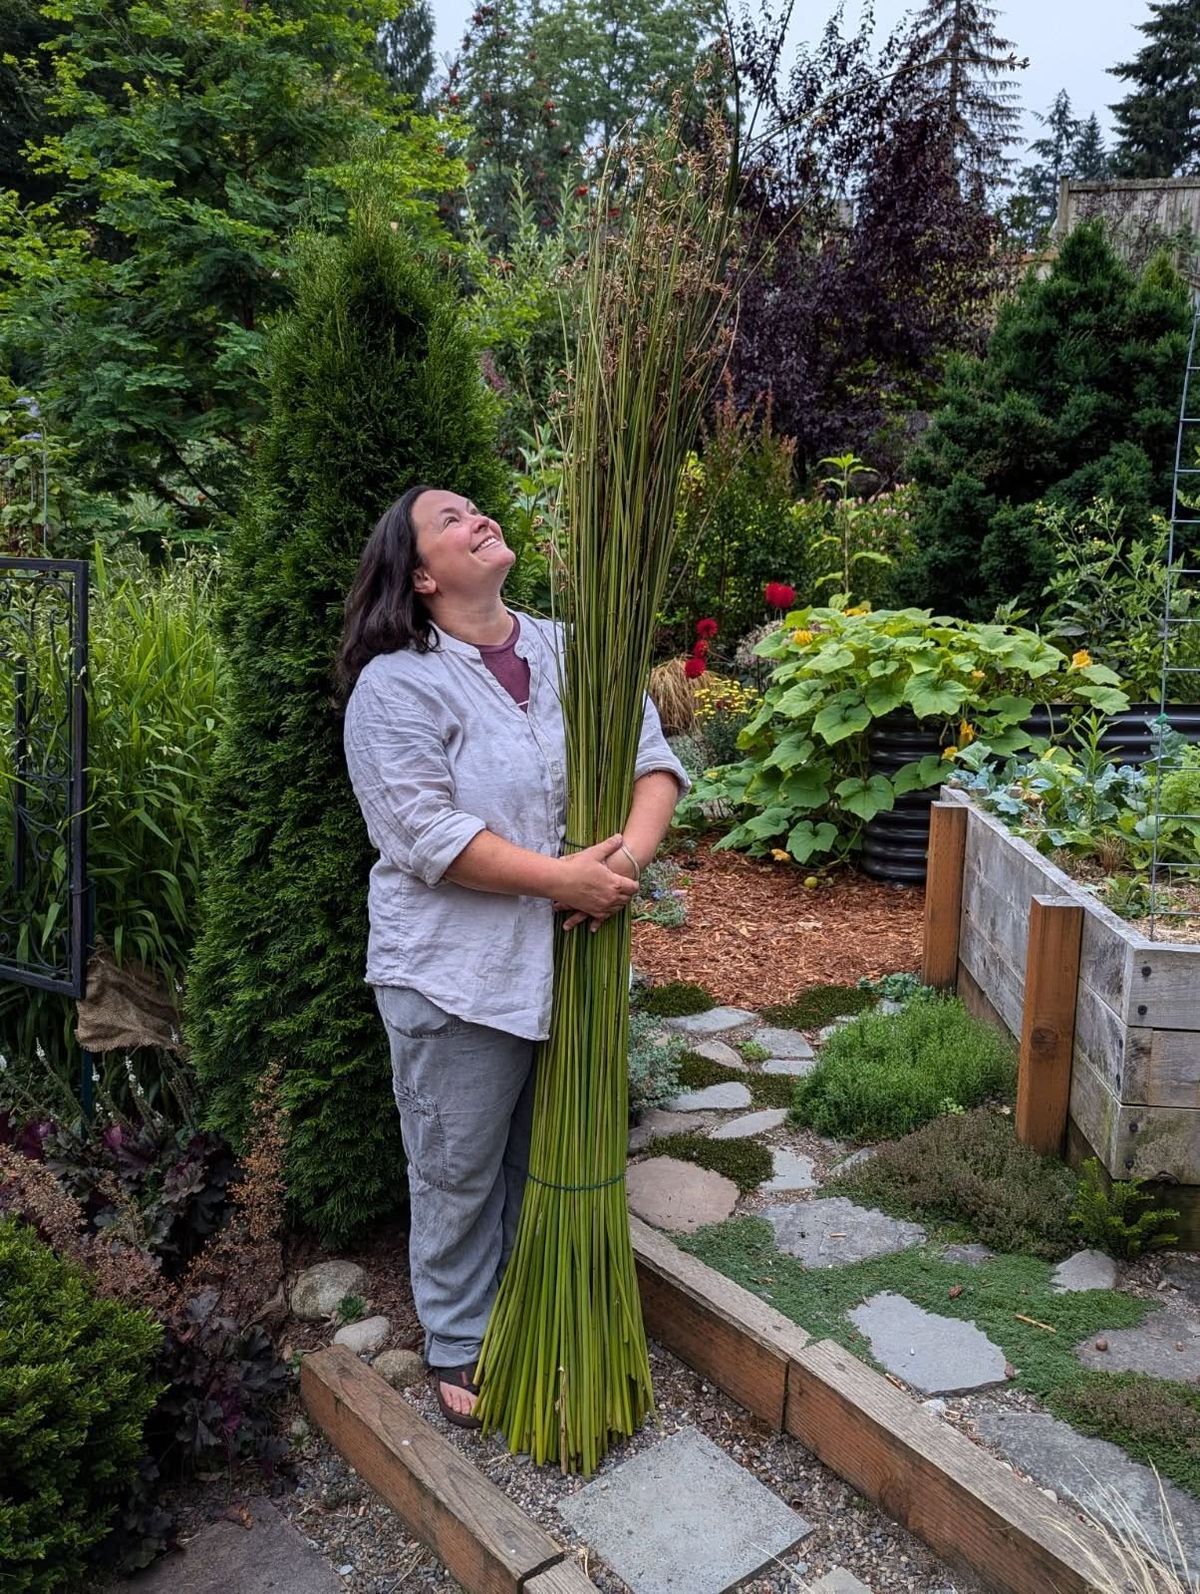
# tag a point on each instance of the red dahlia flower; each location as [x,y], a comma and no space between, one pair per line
[706,628]
[779,595]
[700,651]
[693,667]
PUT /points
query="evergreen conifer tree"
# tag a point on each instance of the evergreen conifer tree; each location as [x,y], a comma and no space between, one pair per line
[1158,121]
[1076,398]
[1090,159]
[374,385]
[406,50]
[956,52]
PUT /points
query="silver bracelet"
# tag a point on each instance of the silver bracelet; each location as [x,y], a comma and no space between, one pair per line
[637,868]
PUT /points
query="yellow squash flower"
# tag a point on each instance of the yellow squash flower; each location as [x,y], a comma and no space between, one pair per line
[950,752]
[966,733]
[779,855]
[801,638]
[977,675]
[1081,660]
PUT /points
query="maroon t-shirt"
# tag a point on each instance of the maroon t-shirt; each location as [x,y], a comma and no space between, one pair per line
[512,672]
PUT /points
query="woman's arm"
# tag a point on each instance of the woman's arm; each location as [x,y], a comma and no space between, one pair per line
[582,880]
[654,798]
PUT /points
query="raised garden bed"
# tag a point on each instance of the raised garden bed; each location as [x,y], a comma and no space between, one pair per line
[1134,1020]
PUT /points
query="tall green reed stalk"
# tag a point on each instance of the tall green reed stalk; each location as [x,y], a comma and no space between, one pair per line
[564,1365]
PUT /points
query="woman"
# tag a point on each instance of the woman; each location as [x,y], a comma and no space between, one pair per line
[455,745]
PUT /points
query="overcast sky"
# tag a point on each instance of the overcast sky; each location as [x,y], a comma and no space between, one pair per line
[1069,43]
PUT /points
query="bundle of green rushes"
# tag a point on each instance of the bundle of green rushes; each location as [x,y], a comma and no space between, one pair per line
[564,1365]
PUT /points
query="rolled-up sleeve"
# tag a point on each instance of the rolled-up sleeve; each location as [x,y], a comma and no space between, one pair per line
[653,753]
[401,776]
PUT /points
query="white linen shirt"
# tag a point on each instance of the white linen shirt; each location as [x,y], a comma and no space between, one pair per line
[438,751]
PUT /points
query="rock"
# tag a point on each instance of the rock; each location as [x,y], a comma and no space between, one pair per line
[838,1581]
[754,1123]
[682,1517]
[719,1052]
[261,1553]
[863,1154]
[937,1355]
[1097,1477]
[364,1337]
[888,1007]
[679,1196]
[1184,1276]
[715,1022]
[1149,1348]
[655,1123]
[401,1368]
[783,1042]
[936,1406]
[791,1172]
[832,1029]
[1086,1270]
[725,1096]
[970,1255]
[796,1066]
[319,1289]
[833,1230]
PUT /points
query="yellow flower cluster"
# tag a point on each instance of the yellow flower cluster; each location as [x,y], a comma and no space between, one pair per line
[718,694]
[802,638]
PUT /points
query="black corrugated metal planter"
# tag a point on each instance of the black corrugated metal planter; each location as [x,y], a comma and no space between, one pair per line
[894,843]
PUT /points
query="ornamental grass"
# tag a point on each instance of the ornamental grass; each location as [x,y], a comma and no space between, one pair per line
[564,1365]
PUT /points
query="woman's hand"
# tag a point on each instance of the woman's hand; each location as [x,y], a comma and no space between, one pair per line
[596,883]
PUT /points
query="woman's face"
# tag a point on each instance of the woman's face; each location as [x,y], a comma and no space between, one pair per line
[460,552]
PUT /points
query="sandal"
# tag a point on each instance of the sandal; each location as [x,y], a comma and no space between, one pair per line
[460,1378]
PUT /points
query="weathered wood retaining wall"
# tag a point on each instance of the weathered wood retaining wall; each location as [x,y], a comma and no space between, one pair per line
[1135,1080]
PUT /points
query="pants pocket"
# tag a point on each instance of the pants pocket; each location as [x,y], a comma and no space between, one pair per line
[410,1014]
[424,1135]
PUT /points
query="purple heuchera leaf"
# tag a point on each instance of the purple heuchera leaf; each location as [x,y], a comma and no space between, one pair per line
[31,1142]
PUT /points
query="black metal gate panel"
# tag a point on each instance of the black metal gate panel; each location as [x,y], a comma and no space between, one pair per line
[43,773]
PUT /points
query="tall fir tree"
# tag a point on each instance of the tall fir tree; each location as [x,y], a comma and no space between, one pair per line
[406,51]
[187,142]
[1068,148]
[1090,158]
[375,385]
[955,50]
[1076,398]
[1158,121]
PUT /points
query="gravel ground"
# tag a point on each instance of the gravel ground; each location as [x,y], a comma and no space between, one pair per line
[353,1528]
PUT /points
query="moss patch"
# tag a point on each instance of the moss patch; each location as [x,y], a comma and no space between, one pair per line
[1155,1421]
[968,1169]
[766,1090]
[747,1162]
[675,999]
[819,1005]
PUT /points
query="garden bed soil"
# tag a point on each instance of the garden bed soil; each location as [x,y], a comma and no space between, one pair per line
[755,935]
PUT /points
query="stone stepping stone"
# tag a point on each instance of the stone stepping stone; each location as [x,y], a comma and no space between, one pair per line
[678,1196]
[318,1291]
[796,1066]
[719,1052]
[838,1581]
[1095,1476]
[792,1172]
[969,1255]
[725,1096]
[655,1123]
[753,1123]
[1086,1270]
[833,1231]
[1150,1348]
[1184,1276]
[715,1022]
[683,1518]
[266,1558]
[365,1337]
[783,1042]
[937,1355]
[863,1154]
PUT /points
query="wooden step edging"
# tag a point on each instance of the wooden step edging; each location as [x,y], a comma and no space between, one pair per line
[964,1503]
[473,1528]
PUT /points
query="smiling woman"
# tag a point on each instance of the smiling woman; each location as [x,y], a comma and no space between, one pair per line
[456,749]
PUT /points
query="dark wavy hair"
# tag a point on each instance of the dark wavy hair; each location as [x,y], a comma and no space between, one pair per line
[383,612]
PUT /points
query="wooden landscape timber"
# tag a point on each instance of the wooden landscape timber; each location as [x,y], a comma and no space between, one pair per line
[965,1504]
[1134,1097]
[473,1528]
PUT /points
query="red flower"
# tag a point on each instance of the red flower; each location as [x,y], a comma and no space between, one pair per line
[706,628]
[693,667]
[700,651]
[779,595]
[581,191]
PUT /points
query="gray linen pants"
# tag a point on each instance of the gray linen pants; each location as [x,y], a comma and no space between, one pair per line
[465,1094]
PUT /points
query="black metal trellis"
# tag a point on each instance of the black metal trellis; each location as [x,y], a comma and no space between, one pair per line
[45,903]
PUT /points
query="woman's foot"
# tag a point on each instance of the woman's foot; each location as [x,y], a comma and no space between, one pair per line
[457,1394]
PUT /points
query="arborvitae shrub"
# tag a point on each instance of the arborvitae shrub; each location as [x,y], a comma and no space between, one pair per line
[75,1390]
[374,385]
[1077,397]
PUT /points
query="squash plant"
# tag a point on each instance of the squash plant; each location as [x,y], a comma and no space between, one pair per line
[805,787]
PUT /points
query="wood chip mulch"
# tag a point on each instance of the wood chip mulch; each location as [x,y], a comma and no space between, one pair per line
[754,935]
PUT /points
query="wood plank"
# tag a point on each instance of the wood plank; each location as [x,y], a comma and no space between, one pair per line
[1162,1067]
[715,1325]
[1133,1140]
[977,1004]
[489,1545]
[1095,1109]
[1102,1039]
[1164,987]
[963,1502]
[943,893]
[568,1577]
[1000,981]
[1048,1023]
